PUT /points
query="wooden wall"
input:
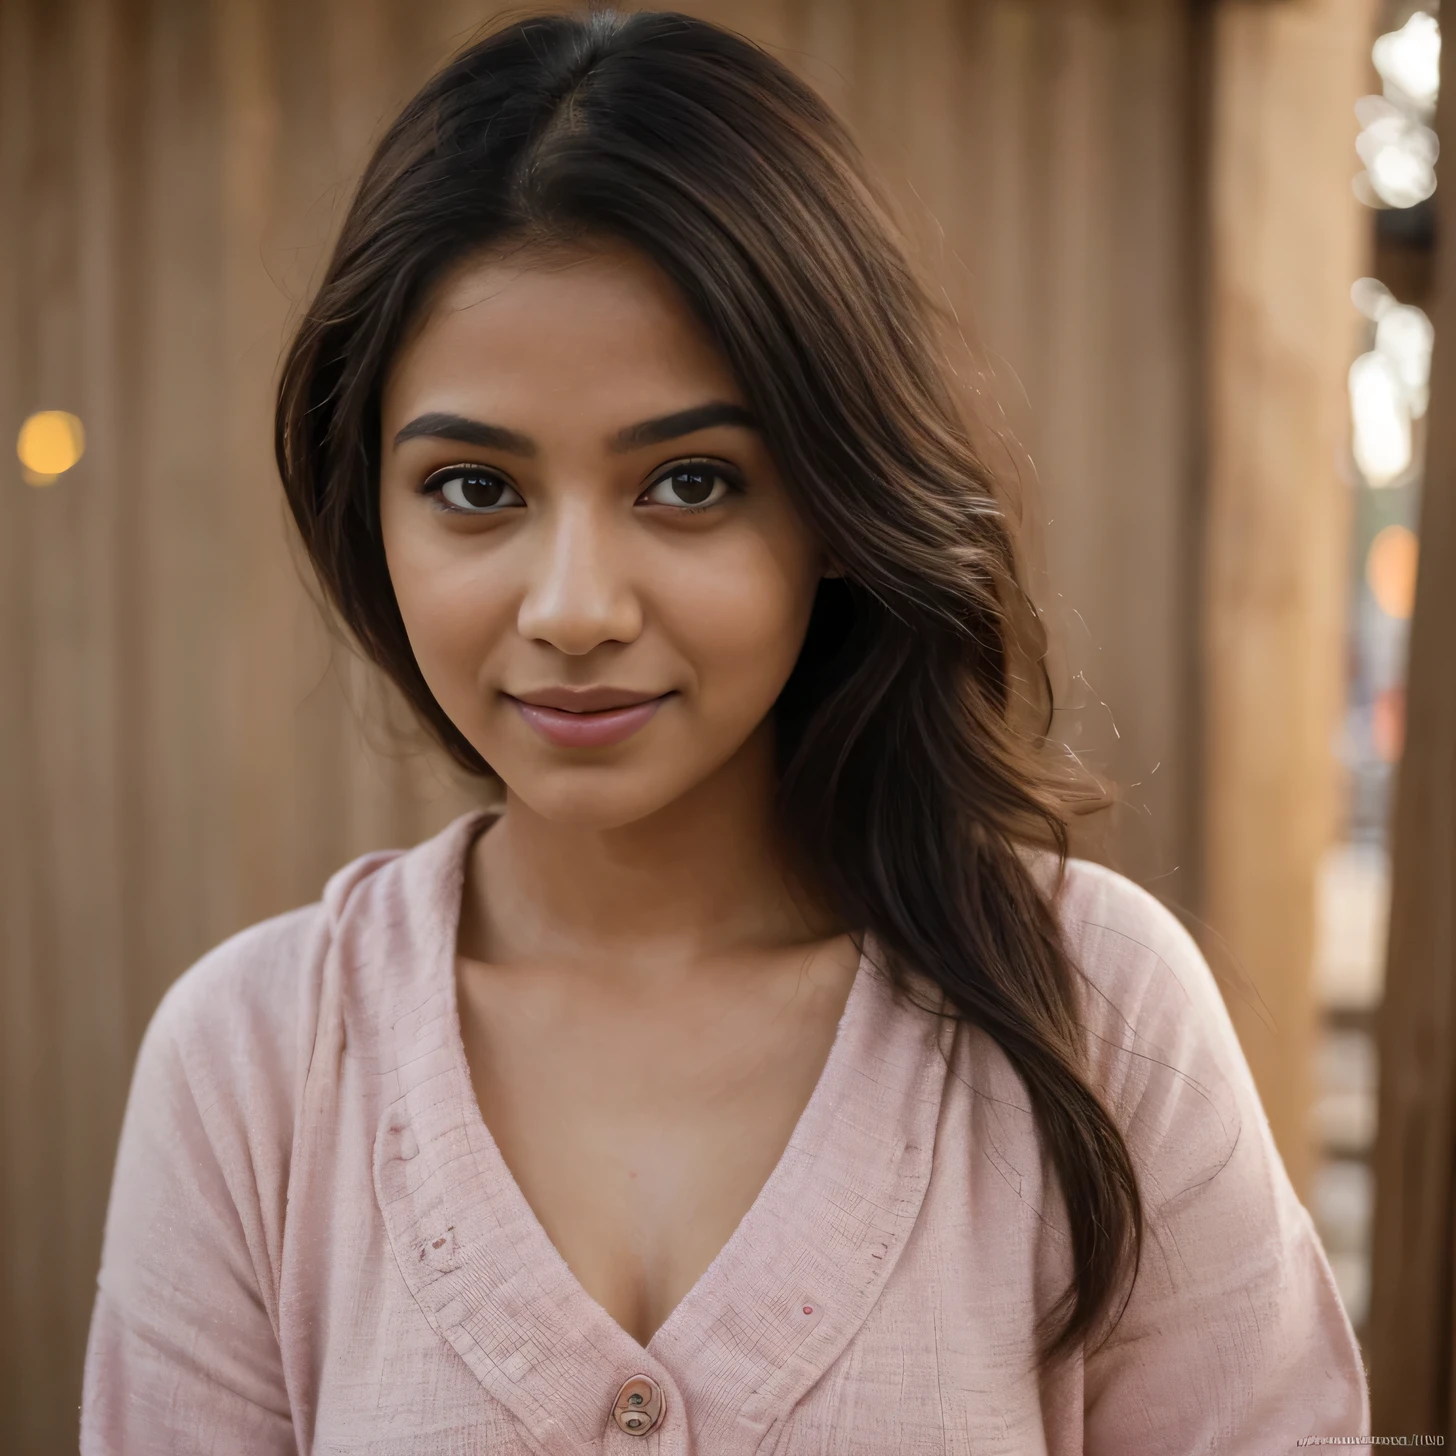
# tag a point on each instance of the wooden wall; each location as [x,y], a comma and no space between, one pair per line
[182,751]
[1286,240]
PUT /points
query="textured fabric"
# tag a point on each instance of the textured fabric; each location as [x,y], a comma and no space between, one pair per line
[314,1244]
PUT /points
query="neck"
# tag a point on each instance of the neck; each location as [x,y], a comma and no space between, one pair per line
[702,877]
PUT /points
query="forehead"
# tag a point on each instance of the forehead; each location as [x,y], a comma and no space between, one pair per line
[601,325]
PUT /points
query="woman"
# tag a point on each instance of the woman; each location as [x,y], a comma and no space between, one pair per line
[761,1077]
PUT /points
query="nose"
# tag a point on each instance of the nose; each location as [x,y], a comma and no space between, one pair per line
[577,593]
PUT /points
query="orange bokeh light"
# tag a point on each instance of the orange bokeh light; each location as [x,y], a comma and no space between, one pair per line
[1390,571]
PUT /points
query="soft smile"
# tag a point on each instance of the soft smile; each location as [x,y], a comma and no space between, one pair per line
[595,717]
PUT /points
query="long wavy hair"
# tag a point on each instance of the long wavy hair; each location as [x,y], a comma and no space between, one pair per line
[908,783]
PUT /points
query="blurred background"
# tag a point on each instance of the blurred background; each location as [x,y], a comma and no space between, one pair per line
[1197,250]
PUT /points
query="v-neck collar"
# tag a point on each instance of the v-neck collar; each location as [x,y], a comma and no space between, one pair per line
[779,1303]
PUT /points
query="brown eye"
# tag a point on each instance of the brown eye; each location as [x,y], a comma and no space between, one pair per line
[474,492]
[689,486]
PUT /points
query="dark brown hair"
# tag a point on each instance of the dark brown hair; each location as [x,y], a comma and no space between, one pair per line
[905,782]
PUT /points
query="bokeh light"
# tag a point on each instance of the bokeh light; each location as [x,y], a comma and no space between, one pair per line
[1399,153]
[1390,571]
[1409,60]
[1397,146]
[1387,724]
[1389,385]
[1405,336]
[50,443]
[1381,419]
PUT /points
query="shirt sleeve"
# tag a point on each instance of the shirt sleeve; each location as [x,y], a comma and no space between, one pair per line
[1234,1338]
[183,1355]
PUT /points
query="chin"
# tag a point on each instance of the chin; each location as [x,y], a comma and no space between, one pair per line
[601,797]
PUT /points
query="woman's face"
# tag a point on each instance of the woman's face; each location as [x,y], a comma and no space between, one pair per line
[602,577]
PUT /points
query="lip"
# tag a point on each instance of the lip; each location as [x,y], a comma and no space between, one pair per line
[595,717]
[584,700]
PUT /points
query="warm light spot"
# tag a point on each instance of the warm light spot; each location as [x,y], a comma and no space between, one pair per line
[50,443]
[1390,571]
[1387,724]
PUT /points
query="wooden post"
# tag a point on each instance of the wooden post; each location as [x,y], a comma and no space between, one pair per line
[1288,239]
[1412,1352]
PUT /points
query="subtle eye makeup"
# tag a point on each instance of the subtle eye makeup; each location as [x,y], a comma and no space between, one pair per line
[692,485]
[471,490]
[686,487]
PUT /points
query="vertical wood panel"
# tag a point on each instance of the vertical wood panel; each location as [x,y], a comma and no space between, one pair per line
[24,924]
[258,756]
[60,570]
[1288,239]
[1413,1303]
[90,1047]
[180,573]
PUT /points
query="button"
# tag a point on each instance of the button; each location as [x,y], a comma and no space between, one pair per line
[638,1406]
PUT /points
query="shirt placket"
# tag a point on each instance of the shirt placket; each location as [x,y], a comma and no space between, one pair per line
[490,1283]
[801,1275]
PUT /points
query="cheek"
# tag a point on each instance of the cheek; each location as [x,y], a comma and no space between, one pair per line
[454,613]
[741,620]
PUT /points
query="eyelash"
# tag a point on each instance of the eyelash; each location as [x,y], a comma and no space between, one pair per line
[729,476]
[433,484]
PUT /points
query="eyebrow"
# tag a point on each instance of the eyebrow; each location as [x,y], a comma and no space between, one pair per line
[647,432]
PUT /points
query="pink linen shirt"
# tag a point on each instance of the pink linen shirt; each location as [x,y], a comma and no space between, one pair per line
[314,1244]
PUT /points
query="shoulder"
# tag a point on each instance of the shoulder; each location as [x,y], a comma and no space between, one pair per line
[1160,1045]
[244,1017]
[244,1025]
[245,1044]
[1128,944]
[1220,1213]
[1135,956]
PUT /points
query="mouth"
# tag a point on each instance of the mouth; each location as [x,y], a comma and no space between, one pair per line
[595,717]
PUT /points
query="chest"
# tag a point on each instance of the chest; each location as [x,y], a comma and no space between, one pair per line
[466,1352]
[640,1129]
[859,1307]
